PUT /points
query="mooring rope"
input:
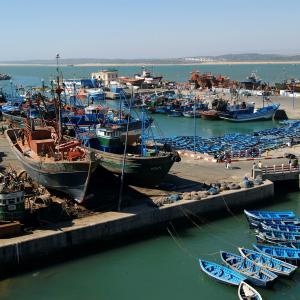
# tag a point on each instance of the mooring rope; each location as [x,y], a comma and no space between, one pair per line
[202,229]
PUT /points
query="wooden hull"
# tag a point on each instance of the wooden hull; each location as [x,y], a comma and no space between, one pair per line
[139,171]
[274,265]
[209,115]
[71,178]
[227,275]
[246,292]
[258,276]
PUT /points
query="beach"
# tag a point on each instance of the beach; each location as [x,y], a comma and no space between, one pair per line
[213,63]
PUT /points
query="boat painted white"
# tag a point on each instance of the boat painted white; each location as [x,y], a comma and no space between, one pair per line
[246,292]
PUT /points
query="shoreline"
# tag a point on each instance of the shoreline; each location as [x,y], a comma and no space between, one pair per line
[153,64]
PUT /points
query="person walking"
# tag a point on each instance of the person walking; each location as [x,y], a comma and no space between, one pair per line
[290,164]
[229,163]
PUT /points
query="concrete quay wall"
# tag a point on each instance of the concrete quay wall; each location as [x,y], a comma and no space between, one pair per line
[22,250]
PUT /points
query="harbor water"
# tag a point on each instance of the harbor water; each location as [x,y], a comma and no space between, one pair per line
[163,265]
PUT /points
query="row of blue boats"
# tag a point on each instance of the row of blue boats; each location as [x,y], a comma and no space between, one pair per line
[236,144]
[279,254]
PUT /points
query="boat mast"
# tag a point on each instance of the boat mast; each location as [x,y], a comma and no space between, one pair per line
[194,122]
[58,92]
[143,138]
[124,154]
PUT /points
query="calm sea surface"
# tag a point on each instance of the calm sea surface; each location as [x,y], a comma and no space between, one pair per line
[164,266]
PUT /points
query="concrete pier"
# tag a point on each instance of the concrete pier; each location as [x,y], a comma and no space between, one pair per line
[15,252]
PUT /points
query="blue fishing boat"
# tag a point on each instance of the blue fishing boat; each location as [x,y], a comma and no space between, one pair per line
[246,292]
[221,273]
[284,253]
[254,273]
[279,236]
[272,215]
[274,265]
[295,245]
[286,228]
[265,113]
[267,222]
[175,113]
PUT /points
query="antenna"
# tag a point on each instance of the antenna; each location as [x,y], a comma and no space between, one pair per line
[57,63]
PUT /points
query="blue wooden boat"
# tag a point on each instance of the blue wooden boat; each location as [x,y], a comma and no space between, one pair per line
[246,292]
[221,273]
[295,245]
[279,236]
[274,265]
[175,113]
[271,215]
[264,113]
[254,273]
[288,254]
[257,223]
[285,228]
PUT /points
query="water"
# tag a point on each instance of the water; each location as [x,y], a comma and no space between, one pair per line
[162,266]
[155,268]
[32,75]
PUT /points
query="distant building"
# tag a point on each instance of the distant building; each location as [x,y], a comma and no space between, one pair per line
[106,76]
[199,59]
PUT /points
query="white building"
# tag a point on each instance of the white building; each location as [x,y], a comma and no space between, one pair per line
[106,76]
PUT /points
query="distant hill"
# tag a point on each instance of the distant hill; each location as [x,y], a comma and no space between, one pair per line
[245,57]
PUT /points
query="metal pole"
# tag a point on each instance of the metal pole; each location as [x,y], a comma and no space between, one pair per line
[293,95]
[194,125]
[124,156]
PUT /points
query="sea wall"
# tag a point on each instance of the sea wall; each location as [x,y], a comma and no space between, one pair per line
[21,250]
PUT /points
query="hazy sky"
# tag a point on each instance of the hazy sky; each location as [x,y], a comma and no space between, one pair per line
[35,29]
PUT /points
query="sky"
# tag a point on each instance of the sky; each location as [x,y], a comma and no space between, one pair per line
[35,29]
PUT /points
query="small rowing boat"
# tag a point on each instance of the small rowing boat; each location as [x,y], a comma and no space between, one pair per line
[247,292]
[263,260]
[279,236]
[271,215]
[254,273]
[278,227]
[257,223]
[295,245]
[288,254]
[209,115]
[221,273]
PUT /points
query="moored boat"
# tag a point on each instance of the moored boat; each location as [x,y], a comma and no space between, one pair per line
[144,166]
[221,273]
[247,292]
[271,215]
[254,273]
[286,222]
[210,115]
[274,265]
[279,236]
[192,114]
[295,245]
[265,113]
[175,113]
[291,255]
[64,167]
[286,228]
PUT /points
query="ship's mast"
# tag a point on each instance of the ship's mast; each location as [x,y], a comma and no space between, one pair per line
[58,92]
[124,155]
